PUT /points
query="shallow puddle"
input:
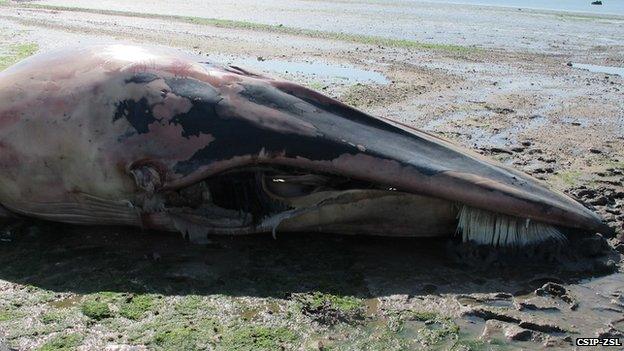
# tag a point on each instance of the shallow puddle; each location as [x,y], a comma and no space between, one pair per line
[412,329]
[314,69]
[67,303]
[495,302]
[600,69]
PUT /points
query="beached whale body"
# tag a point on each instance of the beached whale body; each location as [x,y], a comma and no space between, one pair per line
[136,136]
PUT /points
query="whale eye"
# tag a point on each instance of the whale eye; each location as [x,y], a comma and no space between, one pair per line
[147,178]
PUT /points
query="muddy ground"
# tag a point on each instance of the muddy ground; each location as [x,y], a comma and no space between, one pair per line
[500,81]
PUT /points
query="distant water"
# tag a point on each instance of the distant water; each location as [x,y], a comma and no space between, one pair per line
[613,7]
[600,69]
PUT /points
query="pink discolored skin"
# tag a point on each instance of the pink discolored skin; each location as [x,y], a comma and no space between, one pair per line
[74,124]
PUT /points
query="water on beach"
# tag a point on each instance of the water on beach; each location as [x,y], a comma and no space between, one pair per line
[600,69]
[614,7]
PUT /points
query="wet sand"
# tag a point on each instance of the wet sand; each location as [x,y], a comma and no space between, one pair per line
[496,80]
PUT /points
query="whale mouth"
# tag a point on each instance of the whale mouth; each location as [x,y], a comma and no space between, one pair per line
[261,199]
[282,199]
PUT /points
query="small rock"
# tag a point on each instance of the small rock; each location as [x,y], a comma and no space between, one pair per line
[613,211]
[569,64]
[609,332]
[517,149]
[615,171]
[556,290]
[514,332]
[526,143]
[618,300]
[552,289]
[600,201]
[500,150]
[501,110]
[260,58]
[544,328]
[595,151]
[586,193]
[546,160]
[535,170]
[551,341]
[597,2]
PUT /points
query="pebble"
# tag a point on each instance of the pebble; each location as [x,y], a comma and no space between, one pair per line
[500,150]
[609,332]
[599,201]
[551,288]
[546,160]
[514,332]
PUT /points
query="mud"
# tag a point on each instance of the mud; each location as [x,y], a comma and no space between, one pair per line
[508,93]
